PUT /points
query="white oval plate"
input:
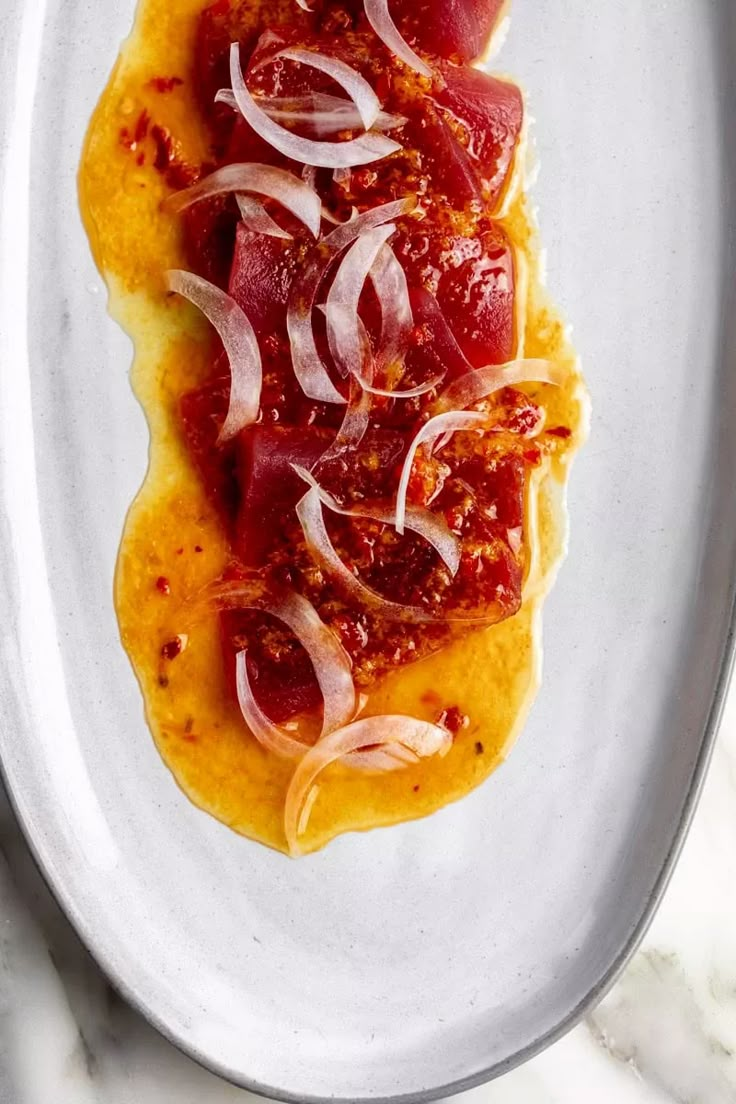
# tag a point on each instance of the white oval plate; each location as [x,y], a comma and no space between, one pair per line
[425,958]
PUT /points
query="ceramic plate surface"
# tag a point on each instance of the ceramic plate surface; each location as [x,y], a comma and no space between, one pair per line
[424,958]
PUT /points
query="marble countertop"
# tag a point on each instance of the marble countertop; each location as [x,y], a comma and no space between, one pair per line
[666,1032]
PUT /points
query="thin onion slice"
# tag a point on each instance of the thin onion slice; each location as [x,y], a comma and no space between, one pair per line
[332,665]
[421,738]
[358,151]
[366,357]
[380,761]
[345,337]
[480,383]
[268,734]
[323,112]
[431,527]
[407,393]
[267,180]
[256,218]
[354,425]
[311,373]
[345,325]
[328,216]
[357,87]
[392,291]
[380,20]
[240,344]
[366,379]
[450,422]
[282,744]
[304,6]
[309,512]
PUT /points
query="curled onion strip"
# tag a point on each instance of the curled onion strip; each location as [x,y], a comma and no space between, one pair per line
[309,512]
[450,422]
[480,383]
[392,291]
[431,527]
[268,734]
[324,113]
[267,180]
[280,743]
[240,344]
[332,665]
[418,737]
[366,378]
[328,216]
[345,336]
[304,6]
[354,425]
[409,392]
[256,218]
[357,87]
[380,761]
[380,20]
[311,373]
[358,151]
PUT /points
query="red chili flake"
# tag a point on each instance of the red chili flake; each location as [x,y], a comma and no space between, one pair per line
[416,789]
[198,548]
[164,147]
[365,178]
[169,161]
[180,551]
[163,681]
[453,720]
[140,159]
[431,697]
[141,127]
[172,648]
[525,420]
[164,84]
[479,749]
[560,431]
[163,584]
[531,456]
[131,140]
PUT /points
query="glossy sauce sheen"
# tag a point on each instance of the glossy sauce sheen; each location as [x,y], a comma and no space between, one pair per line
[174,544]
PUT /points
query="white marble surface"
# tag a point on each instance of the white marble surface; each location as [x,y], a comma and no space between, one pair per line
[667,1031]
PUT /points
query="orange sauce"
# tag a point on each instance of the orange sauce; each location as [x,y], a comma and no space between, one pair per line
[173,545]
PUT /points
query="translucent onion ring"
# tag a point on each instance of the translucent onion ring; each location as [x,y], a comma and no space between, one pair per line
[357,151]
[240,344]
[420,738]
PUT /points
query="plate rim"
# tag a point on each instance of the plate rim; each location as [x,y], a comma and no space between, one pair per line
[9,21]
